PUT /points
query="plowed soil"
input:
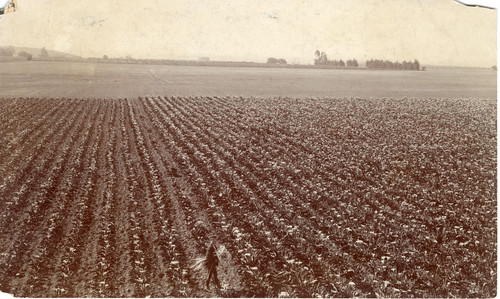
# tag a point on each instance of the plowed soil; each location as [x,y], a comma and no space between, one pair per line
[304,197]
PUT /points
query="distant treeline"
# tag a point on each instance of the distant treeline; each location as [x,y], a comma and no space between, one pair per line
[340,63]
[322,59]
[276,61]
[7,54]
[389,65]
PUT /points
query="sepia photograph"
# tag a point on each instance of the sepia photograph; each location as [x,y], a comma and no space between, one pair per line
[241,149]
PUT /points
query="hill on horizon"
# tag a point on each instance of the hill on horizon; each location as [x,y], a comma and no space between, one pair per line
[36,52]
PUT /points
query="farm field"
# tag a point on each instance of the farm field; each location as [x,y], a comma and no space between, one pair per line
[90,80]
[336,197]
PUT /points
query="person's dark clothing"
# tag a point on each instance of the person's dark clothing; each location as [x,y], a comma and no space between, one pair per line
[211,262]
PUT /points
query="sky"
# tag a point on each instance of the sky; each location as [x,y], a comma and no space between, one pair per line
[436,32]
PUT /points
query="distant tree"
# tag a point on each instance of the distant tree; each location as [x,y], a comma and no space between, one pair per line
[322,58]
[44,53]
[388,65]
[317,53]
[494,67]
[25,54]
[405,65]
[105,57]
[272,60]
[416,65]
[352,63]
[7,51]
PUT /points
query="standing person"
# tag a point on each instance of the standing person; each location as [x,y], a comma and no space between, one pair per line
[211,262]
